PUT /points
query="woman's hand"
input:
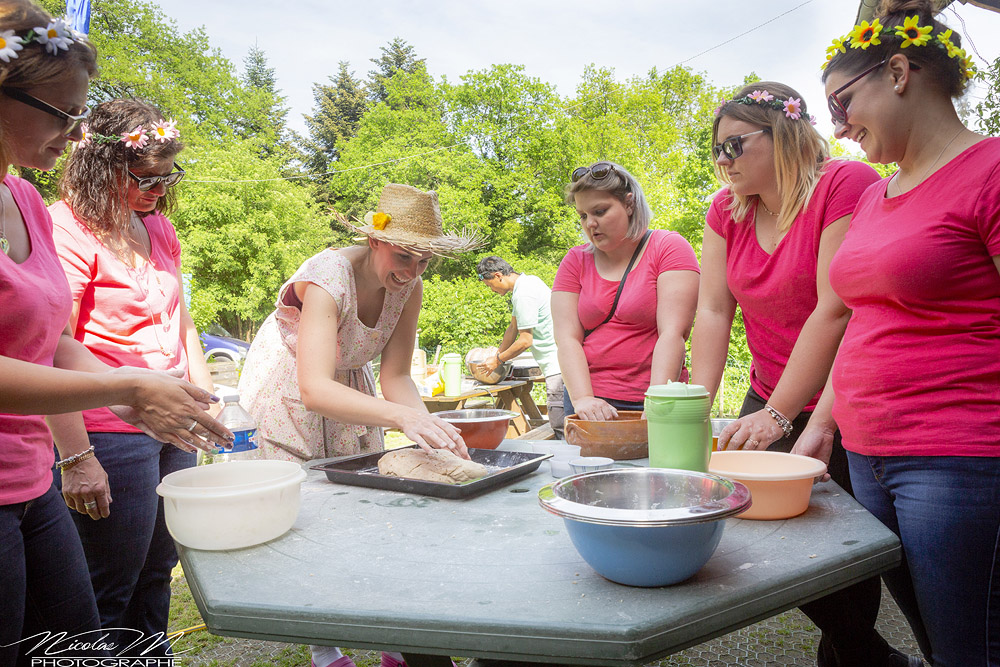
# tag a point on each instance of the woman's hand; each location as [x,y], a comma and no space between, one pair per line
[86,482]
[592,408]
[754,431]
[432,432]
[816,442]
[172,410]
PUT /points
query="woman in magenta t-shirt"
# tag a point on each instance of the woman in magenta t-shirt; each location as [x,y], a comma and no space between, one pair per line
[608,364]
[917,378]
[42,369]
[769,237]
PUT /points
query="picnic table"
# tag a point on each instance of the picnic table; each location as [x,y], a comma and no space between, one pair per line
[514,395]
[496,576]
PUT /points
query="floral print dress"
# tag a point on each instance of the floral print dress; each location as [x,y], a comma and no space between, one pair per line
[269,387]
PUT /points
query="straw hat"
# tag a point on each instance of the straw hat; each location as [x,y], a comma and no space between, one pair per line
[411,218]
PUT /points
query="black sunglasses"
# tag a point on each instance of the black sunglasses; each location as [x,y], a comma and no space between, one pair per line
[733,146]
[71,122]
[599,170]
[146,183]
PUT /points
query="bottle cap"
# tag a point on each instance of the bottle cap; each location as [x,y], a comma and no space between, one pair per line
[677,390]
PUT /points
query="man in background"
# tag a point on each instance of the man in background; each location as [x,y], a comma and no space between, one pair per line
[530,328]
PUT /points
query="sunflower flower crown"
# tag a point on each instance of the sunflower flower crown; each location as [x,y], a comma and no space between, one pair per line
[55,37]
[911,33]
[161,131]
[792,107]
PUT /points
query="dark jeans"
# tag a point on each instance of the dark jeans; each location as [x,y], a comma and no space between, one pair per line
[44,586]
[946,512]
[613,402]
[130,553]
[846,617]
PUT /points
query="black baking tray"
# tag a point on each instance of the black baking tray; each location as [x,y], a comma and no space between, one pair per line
[503,467]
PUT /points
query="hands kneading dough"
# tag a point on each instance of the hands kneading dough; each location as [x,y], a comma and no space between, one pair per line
[439,465]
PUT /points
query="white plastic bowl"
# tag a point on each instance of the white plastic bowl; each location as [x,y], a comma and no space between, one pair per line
[231,505]
[589,463]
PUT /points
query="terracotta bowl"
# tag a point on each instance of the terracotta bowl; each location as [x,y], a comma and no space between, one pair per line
[780,483]
[480,429]
[621,439]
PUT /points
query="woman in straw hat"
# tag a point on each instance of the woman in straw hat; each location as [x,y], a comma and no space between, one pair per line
[342,309]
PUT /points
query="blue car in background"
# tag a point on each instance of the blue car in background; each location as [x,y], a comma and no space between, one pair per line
[220,345]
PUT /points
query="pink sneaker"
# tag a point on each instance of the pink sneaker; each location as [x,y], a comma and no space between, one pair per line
[342,661]
[389,661]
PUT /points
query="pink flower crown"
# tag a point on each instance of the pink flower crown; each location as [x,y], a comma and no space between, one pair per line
[792,106]
[56,36]
[161,131]
[911,33]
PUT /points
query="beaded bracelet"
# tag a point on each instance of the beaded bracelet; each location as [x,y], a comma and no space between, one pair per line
[71,461]
[786,426]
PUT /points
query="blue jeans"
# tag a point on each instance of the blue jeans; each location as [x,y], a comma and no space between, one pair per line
[130,553]
[946,512]
[43,578]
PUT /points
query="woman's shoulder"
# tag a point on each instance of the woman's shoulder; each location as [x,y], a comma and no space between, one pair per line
[843,169]
[24,193]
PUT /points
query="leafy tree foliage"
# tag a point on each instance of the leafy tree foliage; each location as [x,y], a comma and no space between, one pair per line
[397,56]
[269,122]
[988,111]
[340,106]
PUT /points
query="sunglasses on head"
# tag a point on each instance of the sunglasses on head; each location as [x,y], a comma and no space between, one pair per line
[146,183]
[71,122]
[598,170]
[732,147]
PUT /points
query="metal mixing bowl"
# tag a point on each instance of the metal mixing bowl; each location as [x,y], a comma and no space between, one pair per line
[645,526]
[481,429]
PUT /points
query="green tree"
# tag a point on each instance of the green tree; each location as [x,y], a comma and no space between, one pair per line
[268,120]
[988,110]
[397,56]
[339,107]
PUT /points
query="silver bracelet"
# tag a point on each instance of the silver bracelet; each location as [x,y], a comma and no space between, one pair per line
[786,426]
[70,461]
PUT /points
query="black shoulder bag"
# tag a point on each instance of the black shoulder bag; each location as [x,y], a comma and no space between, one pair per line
[621,285]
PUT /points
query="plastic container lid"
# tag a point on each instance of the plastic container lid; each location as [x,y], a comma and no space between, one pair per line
[677,390]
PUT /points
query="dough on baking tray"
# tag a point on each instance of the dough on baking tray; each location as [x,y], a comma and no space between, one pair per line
[437,466]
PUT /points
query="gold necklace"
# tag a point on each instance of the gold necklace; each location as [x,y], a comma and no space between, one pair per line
[4,243]
[766,209]
[896,179]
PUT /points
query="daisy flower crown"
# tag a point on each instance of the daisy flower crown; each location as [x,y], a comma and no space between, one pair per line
[55,37]
[161,131]
[911,33]
[792,107]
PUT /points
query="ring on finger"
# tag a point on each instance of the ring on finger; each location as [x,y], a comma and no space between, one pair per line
[90,505]
[752,442]
[194,422]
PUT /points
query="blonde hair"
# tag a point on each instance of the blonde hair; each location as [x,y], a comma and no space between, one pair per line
[34,66]
[619,183]
[800,153]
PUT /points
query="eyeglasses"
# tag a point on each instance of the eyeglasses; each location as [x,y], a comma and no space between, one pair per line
[733,146]
[146,183]
[599,170]
[71,122]
[484,276]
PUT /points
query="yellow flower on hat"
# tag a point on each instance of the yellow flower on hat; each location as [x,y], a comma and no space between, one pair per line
[912,32]
[378,220]
[865,35]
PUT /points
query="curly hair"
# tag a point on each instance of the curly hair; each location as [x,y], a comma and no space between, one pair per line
[34,66]
[95,180]
[943,71]
[620,184]
[800,153]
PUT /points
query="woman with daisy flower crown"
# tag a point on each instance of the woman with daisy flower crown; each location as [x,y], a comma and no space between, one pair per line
[45,70]
[122,259]
[769,236]
[916,383]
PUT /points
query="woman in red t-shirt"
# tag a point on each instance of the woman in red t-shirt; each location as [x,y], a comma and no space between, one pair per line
[917,377]
[611,351]
[769,237]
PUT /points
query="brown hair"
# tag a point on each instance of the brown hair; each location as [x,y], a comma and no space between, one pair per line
[799,151]
[34,66]
[95,180]
[942,70]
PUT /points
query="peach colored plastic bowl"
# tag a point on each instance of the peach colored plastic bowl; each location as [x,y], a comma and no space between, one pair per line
[620,439]
[780,484]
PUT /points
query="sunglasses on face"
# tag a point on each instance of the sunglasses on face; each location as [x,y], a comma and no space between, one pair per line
[598,170]
[71,122]
[838,110]
[732,147]
[146,183]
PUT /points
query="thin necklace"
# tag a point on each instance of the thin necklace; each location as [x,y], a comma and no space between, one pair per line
[899,188]
[4,243]
[766,209]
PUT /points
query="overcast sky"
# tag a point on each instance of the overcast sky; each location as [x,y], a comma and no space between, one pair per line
[554,39]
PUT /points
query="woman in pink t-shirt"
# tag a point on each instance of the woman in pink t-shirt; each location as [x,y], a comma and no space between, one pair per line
[123,261]
[43,370]
[611,350]
[769,237]
[917,378]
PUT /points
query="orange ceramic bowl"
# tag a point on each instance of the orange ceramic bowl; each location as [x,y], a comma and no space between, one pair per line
[780,484]
[620,439]
[480,429]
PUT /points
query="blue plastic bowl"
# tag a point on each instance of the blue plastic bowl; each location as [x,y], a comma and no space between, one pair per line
[645,526]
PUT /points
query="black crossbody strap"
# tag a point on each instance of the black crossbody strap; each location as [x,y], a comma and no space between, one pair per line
[621,285]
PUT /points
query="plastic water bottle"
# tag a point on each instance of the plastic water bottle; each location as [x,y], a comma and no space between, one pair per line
[244,428]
